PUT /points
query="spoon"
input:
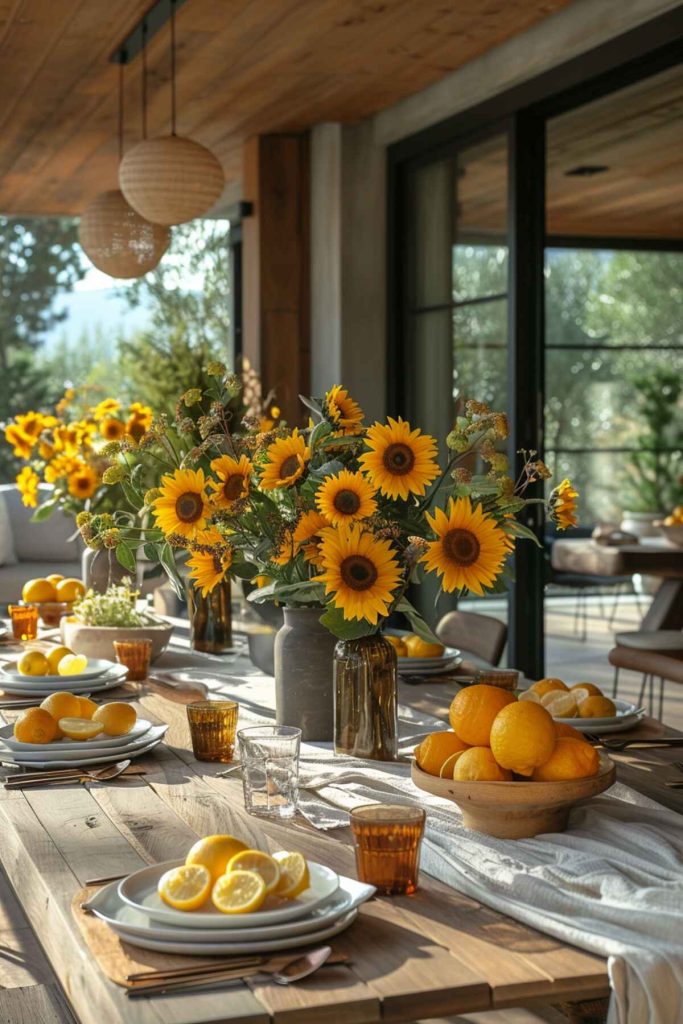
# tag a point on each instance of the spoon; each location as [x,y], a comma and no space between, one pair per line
[46,778]
[283,974]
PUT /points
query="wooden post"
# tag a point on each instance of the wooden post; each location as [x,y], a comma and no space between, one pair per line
[276,268]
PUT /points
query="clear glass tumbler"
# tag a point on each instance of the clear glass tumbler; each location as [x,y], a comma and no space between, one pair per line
[213,724]
[387,838]
[270,769]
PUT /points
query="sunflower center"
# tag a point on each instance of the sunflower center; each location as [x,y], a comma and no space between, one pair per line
[358,572]
[347,502]
[189,507]
[232,488]
[136,429]
[461,546]
[289,467]
[399,459]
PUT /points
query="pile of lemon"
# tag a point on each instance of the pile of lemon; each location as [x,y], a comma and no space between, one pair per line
[410,645]
[236,878]
[55,661]
[496,738]
[582,700]
[66,715]
[675,517]
[46,589]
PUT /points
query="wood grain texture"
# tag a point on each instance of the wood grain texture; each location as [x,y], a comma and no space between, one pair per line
[243,69]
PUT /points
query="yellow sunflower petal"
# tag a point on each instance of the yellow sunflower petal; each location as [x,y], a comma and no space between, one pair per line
[470,550]
[360,572]
[287,458]
[346,497]
[400,461]
[182,506]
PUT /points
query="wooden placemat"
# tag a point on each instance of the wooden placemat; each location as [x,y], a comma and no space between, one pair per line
[118,959]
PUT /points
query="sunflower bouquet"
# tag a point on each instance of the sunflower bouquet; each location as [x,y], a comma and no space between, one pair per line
[68,449]
[339,515]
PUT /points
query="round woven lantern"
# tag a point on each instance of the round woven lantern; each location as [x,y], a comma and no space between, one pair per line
[118,240]
[170,180]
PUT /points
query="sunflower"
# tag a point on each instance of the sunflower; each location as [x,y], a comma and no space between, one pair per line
[287,458]
[306,534]
[82,482]
[285,549]
[112,429]
[562,505]
[27,483]
[343,411]
[233,480]
[209,568]
[345,497]
[34,423]
[183,506]
[61,465]
[401,461]
[471,548]
[22,443]
[359,571]
[109,407]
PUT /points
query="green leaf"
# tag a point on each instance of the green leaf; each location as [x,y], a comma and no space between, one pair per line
[244,570]
[346,629]
[319,433]
[168,561]
[519,530]
[417,623]
[44,511]
[311,404]
[302,592]
[125,557]
[133,497]
[152,552]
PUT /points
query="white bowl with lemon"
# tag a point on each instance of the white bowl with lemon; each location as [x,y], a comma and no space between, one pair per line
[53,595]
[415,655]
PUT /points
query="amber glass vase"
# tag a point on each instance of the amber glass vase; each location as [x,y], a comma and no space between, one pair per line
[365,700]
[210,618]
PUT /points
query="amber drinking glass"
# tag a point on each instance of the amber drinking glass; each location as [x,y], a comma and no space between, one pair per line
[387,838]
[504,678]
[135,655]
[24,621]
[213,724]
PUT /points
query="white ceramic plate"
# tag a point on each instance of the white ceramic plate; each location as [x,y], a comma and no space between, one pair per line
[240,948]
[96,667]
[627,717]
[66,746]
[80,689]
[192,676]
[140,892]
[82,761]
[433,667]
[108,905]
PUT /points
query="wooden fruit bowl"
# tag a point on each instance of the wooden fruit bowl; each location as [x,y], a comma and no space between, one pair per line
[516,810]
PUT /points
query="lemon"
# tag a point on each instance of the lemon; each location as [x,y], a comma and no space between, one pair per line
[261,863]
[240,892]
[55,656]
[447,768]
[54,578]
[38,591]
[62,705]
[186,887]
[88,707]
[560,704]
[117,718]
[294,875]
[79,728]
[35,725]
[70,589]
[72,665]
[33,663]
[214,853]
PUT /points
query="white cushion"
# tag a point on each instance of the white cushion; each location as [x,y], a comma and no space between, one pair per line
[7,555]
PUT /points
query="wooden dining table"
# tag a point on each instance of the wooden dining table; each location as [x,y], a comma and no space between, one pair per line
[432,954]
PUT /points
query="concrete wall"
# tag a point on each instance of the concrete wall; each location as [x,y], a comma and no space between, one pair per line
[348,204]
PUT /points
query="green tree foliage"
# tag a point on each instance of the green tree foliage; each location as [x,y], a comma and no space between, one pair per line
[188,299]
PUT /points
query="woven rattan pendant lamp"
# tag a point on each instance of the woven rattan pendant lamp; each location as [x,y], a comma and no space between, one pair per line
[115,238]
[171,179]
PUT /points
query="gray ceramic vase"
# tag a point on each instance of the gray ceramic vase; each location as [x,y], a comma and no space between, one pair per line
[304,664]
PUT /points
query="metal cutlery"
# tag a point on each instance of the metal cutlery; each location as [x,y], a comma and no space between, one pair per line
[644,741]
[68,775]
[282,973]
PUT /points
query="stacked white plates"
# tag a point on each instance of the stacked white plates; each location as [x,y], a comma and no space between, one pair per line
[627,717]
[445,662]
[134,910]
[99,675]
[65,753]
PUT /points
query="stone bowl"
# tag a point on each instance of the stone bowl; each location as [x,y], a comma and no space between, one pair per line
[98,641]
[516,810]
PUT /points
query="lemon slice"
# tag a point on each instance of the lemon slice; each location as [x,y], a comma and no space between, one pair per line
[79,728]
[240,892]
[562,705]
[186,887]
[261,863]
[294,876]
[72,664]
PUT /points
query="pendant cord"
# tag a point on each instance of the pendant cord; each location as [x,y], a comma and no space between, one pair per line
[173,70]
[120,107]
[144,79]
